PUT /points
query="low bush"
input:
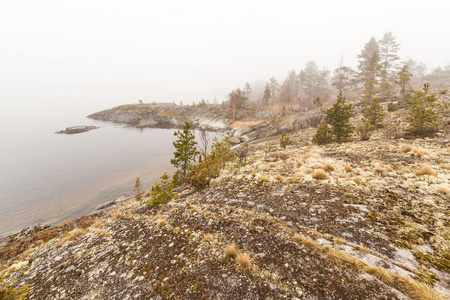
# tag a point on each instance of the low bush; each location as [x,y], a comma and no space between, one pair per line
[161,192]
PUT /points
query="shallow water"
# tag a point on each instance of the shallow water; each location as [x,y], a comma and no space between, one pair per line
[47,177]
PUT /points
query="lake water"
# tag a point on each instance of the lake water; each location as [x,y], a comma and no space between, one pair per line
[47,177]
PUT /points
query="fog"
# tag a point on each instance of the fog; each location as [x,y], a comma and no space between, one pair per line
[97,54]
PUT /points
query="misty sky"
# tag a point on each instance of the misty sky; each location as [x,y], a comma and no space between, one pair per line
[115,52]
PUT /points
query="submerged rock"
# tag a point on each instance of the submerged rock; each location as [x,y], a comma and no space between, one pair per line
[76,129]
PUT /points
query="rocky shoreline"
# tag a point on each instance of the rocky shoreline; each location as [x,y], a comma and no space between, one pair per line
[255,125]
[371,226]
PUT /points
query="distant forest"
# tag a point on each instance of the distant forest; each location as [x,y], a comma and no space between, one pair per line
[380,73]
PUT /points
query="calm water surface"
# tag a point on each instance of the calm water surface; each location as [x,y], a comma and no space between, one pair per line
[47,177]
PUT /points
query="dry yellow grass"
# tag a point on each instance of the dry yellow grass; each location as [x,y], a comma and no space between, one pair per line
[359,181]
[208,237]
[352,261]
[405,148]
[320,174]
[97,224]
[230,251]
[443,190]
[306,156]
[118,215]
[306,241]
[244,261]
[308,171]
[402,171]
[379,170]
[420,152]
[444,166]
[237,124]
[328,167]
[425,170]
[161,222]
[418,290]
[72,236]
[102,232]
[381,273]
[177,230]
[263,178]
[279,177]
[348,168]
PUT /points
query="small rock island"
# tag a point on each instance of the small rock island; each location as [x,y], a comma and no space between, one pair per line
[76,129]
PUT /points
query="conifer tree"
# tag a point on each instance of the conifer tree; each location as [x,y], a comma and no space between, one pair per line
[185,150]
[266,95]
[388,54]
[338,117]
[423,116]
[369,68]
[404,76]
[322,135]
[373,114]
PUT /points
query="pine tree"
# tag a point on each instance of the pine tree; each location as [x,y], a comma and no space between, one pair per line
[338,117]
[322,135]
[137,188]
[388,54]
[344,78]
[374,114]
[369,68]
[273,85]
[423,117]
[161,192]
[404,76]
[266,95]
[185,150]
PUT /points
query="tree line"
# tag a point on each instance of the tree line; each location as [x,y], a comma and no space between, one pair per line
[380,73]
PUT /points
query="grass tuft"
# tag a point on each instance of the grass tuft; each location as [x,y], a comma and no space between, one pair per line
[320,175]
[244,261]
[279,177]
[230,251]
[425,170]
[328,167]
[443,190]
[348,168]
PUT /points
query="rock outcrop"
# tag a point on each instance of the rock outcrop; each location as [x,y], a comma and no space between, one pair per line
[211,117]
[360,220]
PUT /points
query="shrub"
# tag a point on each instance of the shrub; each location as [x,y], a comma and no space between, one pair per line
[161,192]
[391,107]
[365,131]
[11,293]
[373,114]
[242,153]
[423,117]
[322,135]
[201,174]
[338,117]
[284,140]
